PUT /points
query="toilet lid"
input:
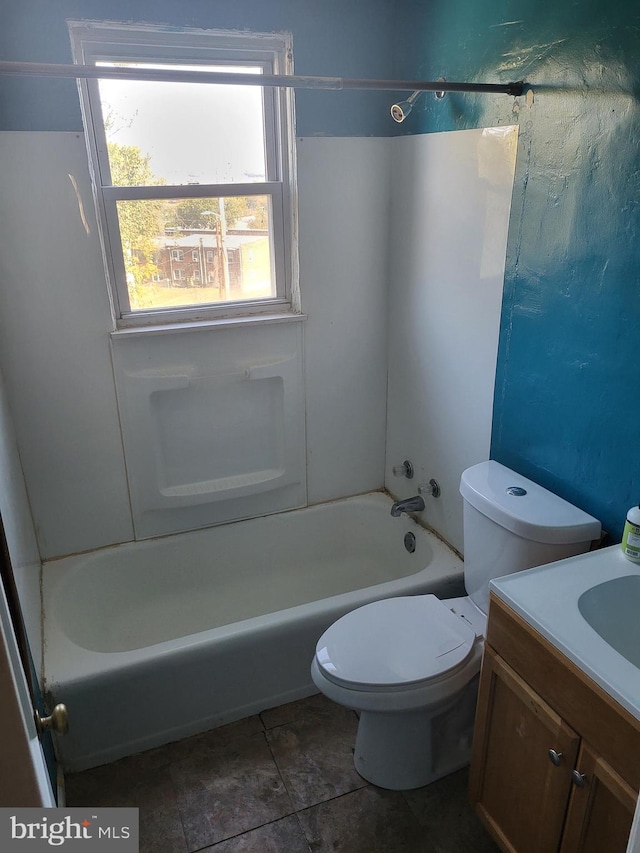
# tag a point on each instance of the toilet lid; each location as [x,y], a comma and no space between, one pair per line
[394,643]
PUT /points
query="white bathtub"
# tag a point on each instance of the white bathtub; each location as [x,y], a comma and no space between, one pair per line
[153,641]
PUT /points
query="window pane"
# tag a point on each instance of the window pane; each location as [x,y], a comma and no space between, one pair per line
[191,251]
[183,133]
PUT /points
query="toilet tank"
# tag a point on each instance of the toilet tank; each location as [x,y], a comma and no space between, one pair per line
[512,523]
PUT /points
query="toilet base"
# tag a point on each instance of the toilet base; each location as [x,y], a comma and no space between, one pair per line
[405,750]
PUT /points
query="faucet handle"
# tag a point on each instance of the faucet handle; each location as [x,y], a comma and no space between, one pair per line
[404,470]
[431,488]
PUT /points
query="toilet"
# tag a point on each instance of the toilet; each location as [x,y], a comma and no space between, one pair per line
[410,665]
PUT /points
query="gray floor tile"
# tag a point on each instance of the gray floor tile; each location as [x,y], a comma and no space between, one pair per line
[444,810]
[213,739]
[282,836]
[316,707]
[231,791]
[160,822]
[139,782]
[227,790]
[315,756]
[366,821]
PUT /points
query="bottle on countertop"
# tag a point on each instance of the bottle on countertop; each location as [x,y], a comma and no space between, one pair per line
[631,535]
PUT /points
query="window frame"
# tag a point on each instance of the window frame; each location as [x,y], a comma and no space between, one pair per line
[93,42]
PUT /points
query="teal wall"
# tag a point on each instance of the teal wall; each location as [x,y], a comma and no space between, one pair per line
[331,38]
[566,405]
[567,398]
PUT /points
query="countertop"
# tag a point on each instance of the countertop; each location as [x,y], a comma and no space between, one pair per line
[547,598]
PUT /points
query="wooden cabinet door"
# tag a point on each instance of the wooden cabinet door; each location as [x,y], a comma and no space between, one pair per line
[600,809]
[518,792]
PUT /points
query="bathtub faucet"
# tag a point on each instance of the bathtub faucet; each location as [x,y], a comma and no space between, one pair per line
[414,504]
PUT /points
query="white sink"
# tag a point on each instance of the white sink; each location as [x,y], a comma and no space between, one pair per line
[612,608]
[589,608]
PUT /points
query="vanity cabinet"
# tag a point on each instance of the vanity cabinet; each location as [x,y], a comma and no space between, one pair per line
[556,761]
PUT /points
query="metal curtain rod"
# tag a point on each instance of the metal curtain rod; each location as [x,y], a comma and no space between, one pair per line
[41,69]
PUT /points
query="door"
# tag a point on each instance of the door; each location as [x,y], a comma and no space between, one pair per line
[523,754]
[32,777]
[601,807]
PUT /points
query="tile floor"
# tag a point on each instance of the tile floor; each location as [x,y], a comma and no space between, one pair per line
[280,782]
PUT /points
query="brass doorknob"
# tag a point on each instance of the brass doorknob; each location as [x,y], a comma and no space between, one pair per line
[57,721]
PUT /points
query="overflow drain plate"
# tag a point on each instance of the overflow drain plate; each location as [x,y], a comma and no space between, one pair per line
[410,542]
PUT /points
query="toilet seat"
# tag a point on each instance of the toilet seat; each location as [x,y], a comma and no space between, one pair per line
[395,644]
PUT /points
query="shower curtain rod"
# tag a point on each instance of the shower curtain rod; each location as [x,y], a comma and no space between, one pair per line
[38,69]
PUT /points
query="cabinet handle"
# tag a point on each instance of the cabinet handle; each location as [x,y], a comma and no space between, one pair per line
[579,779]
[555,757]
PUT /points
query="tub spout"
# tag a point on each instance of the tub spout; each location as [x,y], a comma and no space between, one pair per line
[414,504]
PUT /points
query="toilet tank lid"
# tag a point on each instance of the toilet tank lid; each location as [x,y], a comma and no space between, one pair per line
[538,514]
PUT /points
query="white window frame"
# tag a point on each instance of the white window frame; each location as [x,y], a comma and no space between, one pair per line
[93,42]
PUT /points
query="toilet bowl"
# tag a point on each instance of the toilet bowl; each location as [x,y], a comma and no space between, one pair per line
[409,665]
[412,671]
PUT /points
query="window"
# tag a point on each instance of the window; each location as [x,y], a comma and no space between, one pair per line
[183,168]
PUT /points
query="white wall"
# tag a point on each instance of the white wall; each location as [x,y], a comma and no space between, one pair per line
[55,325]
[451,199]
[54,345]
[19,530]
[213,423]
[344,220]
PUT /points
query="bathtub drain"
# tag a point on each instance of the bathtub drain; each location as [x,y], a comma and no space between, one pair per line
[410,542]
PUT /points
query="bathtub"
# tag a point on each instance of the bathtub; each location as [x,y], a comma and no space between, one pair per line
[153,641]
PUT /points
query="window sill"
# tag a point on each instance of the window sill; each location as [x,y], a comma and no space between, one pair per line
[209,325]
